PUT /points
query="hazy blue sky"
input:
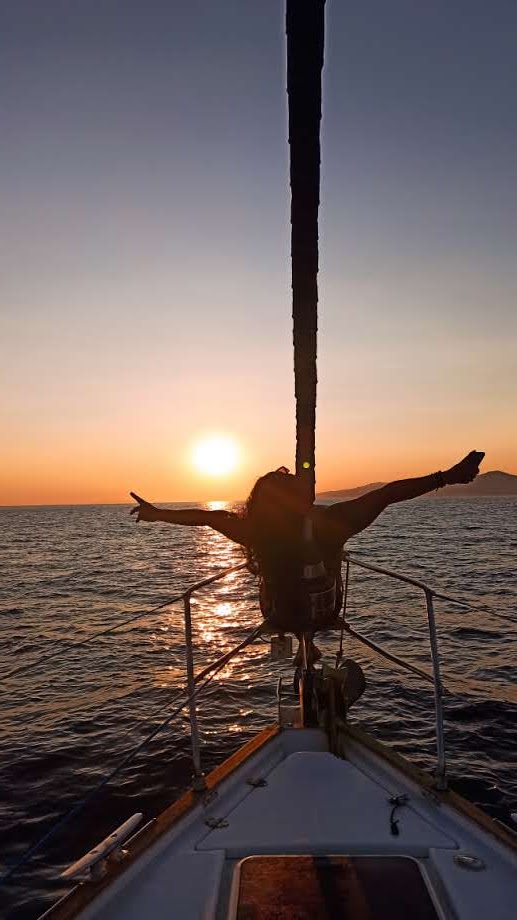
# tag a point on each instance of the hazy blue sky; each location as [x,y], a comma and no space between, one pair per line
[144,242]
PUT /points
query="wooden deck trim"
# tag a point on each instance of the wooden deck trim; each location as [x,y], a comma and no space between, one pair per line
[447,796]
[83,894]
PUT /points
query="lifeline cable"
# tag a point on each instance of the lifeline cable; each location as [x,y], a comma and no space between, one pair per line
[43,659]
[215,667]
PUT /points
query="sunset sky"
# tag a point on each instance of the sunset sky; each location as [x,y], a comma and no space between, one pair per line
[144,244]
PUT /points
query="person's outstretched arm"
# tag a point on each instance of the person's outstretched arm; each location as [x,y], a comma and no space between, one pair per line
[225,522]
[353,516]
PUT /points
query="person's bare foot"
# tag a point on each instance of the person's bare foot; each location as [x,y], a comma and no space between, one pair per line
[466,470]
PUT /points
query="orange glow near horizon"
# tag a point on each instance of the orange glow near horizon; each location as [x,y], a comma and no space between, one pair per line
[146,295]
[77,473]
[99,438]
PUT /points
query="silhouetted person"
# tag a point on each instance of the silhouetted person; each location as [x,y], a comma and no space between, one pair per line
[272,528]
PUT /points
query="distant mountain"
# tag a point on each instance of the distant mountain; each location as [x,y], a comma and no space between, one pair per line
[346,494]
[493,483]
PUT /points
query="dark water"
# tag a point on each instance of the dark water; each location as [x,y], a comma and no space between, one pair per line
[68,571]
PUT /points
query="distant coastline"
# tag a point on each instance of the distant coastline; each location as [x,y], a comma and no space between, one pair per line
[495,482]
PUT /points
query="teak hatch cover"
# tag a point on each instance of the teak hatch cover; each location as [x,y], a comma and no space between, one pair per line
[333,887]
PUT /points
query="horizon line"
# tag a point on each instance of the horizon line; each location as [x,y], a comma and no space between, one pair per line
[72,504]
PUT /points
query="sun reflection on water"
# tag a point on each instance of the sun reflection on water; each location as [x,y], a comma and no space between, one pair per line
[222,614]
[70,727]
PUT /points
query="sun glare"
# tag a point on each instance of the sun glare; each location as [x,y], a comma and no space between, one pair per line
[216,456]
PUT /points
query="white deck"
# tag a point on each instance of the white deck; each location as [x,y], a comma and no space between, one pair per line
[314,803]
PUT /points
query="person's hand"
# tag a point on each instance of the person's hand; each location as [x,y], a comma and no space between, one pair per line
[466,470]
[144,510]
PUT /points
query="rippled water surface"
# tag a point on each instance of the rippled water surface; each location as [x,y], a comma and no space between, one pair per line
[67,572]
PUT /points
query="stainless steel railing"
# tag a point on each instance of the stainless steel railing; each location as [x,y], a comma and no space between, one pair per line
[197,682]
[350,560]
[199,780]
[429,593]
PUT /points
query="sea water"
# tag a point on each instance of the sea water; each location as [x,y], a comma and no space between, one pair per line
[67,572]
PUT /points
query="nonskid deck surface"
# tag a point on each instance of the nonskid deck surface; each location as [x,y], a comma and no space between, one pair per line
[293,798]
[318,803]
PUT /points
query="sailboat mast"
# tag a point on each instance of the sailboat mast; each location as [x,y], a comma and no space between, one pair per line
[305,39]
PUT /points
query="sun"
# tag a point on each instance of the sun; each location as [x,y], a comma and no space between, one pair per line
[216,455]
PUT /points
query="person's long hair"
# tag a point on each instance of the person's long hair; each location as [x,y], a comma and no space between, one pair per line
[274,513]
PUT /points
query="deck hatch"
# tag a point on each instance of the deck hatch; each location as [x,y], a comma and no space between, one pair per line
[337,887]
